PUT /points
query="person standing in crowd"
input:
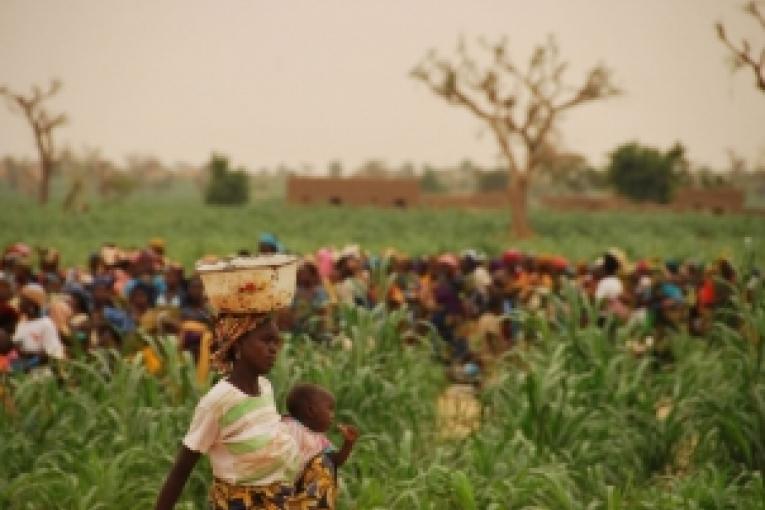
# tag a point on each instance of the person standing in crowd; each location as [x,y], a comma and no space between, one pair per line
[610,289]
[308,313]
[36,336]
[268,244]
[352,287]
[175,287]
[9,315]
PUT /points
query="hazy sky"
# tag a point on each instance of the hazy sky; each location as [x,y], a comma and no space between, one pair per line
[304,82]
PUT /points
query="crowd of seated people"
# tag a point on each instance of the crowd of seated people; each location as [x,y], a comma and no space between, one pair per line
[473,302]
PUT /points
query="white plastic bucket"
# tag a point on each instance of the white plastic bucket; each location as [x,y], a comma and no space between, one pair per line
[249,284]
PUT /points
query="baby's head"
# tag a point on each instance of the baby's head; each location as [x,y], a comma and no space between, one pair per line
[311,405]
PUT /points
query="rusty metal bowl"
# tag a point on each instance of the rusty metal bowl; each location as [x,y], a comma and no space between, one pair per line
[249,284]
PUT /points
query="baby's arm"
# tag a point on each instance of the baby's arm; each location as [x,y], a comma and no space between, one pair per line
[350,434]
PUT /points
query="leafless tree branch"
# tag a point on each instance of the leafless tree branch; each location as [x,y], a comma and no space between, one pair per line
[520,106]
[744,55]
[42,125]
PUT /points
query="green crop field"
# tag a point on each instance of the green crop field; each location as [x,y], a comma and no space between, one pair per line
[574,421]
[192,229]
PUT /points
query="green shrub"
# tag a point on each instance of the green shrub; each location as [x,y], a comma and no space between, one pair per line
[226,187]
[645,173]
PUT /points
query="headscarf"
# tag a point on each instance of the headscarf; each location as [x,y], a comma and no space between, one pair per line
[35,293]
[271,240]
[324,262]
[228,329]
[60,311]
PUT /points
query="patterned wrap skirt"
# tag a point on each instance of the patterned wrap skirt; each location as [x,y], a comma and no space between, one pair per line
[315,490]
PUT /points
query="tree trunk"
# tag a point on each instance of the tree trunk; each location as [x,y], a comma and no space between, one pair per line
[70,201]
[518,190]
[45,171]
[45,162]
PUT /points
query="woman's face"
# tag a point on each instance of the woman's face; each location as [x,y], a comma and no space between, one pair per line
[28,307]
[173,277]
[6,293]
[303,277]
[139,299]
[196,290]
[259,348]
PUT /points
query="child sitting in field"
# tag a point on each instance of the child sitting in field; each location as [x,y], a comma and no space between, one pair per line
[311,413]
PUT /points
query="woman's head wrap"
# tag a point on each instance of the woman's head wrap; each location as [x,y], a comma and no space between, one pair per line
[228,329]
[35,293]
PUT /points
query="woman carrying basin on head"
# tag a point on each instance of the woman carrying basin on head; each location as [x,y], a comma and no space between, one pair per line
[255,460]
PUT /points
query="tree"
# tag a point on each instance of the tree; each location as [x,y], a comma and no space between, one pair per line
[335,168]
[429,182]
[492,180]
[519,105]
[226,187]
[744,56]
[406,170]
[42,124]
[373,168]
[561,170]
[645,173]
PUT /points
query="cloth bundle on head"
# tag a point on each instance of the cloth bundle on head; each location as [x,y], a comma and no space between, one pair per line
[324,262]
[6,278]
[512,256]
[621,258]
[20,250]
[351,250]
[449,260]
[50,256]
[228,329]
[78,320]
[157,243]
[35,293]
[269,239]
[473,254]
[110,254]
[60,311]
[559,263]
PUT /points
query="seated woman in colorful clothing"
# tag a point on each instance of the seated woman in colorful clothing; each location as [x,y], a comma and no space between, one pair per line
[36,336]
[311,413]
[8,353]
[254,459]
[308,313]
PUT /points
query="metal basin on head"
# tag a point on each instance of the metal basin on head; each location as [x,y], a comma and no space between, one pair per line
[249,284]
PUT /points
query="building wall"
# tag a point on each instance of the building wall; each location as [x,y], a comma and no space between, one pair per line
[715,200]
[721,200]
[487,200]
[356,191]
[385,192]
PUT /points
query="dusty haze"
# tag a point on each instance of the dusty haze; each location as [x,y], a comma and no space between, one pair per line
[305,82]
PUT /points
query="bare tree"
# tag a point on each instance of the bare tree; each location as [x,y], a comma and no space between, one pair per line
[43,124]
[744,55]
[519,105]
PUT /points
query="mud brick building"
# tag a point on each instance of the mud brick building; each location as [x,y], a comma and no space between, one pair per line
[390,192]
[718,200]
[357,191]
